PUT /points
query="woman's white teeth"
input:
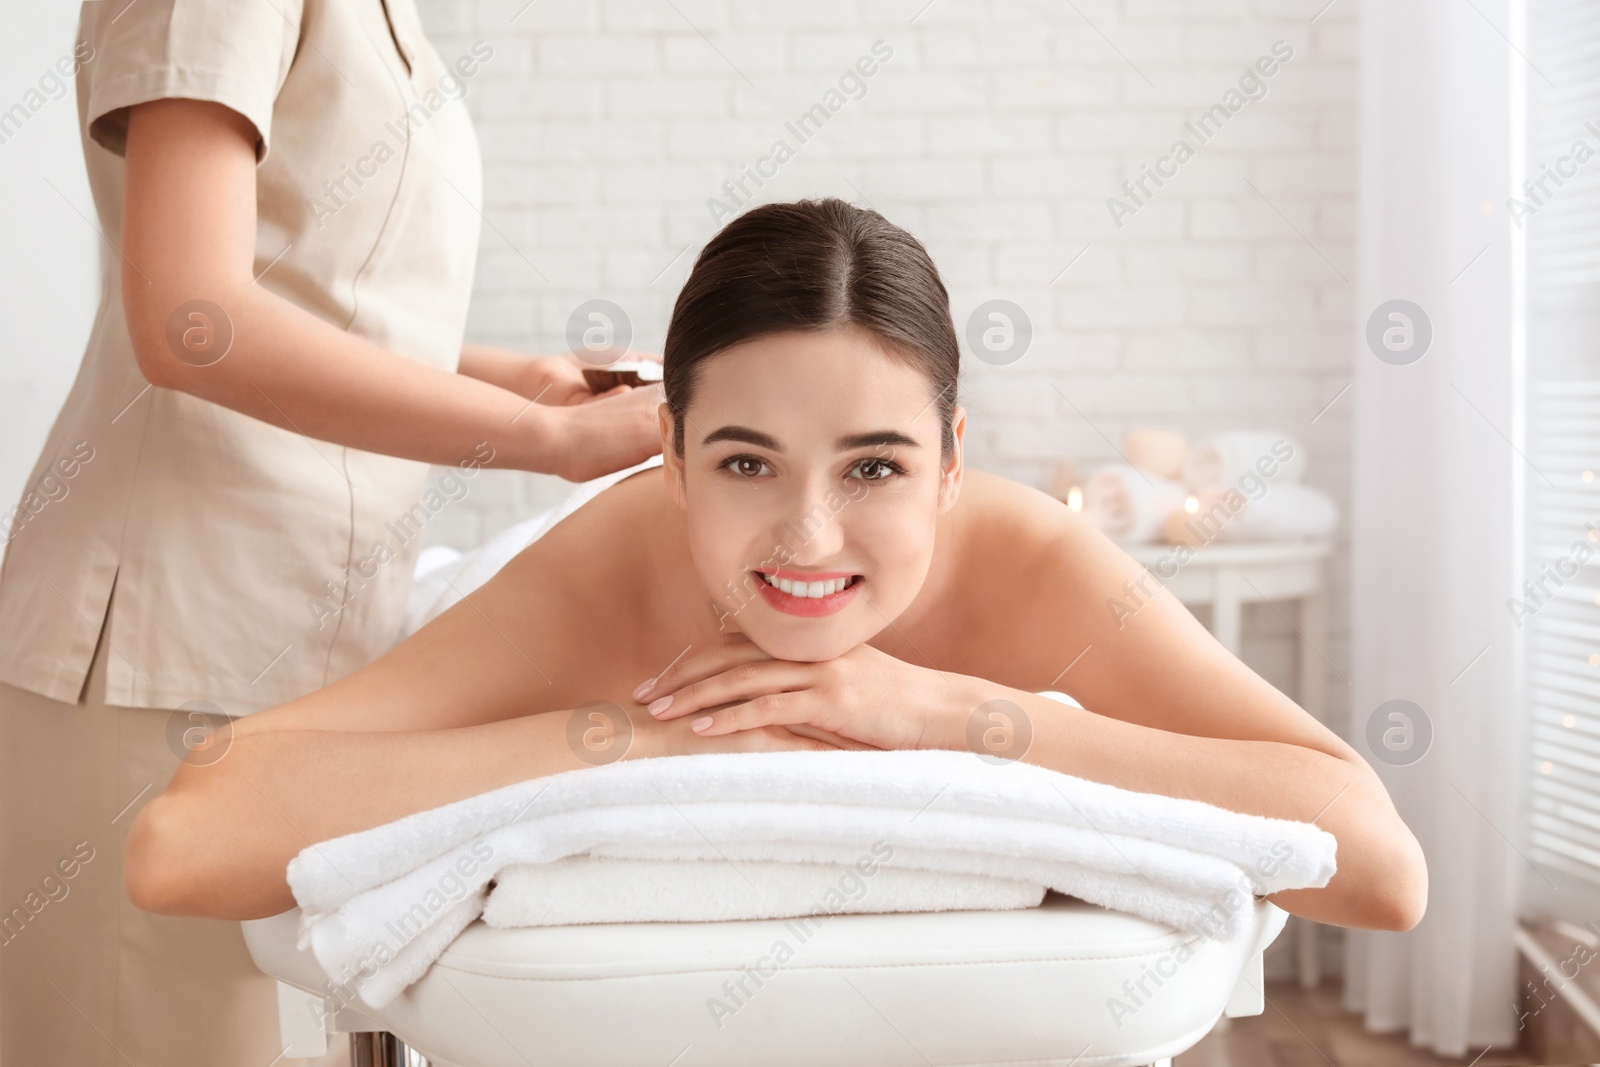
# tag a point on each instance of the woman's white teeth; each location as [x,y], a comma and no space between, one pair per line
[807,589]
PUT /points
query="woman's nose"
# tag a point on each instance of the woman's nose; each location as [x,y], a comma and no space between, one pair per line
[812,529]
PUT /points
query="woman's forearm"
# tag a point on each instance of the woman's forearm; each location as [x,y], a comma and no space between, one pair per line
[217,841]
[1381,881]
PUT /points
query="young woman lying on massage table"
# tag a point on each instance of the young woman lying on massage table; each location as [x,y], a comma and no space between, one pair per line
[810,435]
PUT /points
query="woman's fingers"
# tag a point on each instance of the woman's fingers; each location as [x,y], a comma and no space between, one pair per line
[771,709]
[742,682]
[832,739]
[730,652]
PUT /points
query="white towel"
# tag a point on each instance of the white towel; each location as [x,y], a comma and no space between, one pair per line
[602,889]
[377,907]
[1129,504]
[1219,461]
[1283,513]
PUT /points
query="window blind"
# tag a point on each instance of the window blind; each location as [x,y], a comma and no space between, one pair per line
[1560,208]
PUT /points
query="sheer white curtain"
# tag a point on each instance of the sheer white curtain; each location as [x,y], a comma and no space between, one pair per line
[1435,484]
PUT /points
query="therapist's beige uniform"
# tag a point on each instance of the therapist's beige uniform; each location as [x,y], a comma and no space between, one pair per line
[225,559]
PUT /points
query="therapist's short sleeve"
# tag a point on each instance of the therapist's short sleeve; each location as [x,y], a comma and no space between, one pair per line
[233,52]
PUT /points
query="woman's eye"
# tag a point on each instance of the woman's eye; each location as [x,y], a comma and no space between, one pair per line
[749,466]
[876,470]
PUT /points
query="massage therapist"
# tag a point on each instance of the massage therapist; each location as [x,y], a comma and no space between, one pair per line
[289,192]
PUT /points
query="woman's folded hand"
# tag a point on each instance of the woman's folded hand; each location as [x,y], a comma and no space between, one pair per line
[653,737]
[864,698]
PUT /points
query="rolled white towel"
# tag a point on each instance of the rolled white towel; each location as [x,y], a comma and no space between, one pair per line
[1219,461]
[1283,513]
[1158,450]
[1129,504]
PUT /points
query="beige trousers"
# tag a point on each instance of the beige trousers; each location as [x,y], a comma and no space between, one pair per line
[86,978]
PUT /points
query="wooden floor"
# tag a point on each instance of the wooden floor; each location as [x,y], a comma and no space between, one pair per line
[1310,1029]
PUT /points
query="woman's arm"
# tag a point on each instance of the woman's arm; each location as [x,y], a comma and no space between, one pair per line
[1027,602]
[189,233]
[1173,712]
[217,841]
[479,698]
[1382,879]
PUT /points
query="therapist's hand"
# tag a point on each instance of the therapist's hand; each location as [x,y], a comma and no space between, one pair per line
[559,379]
[604,434]
[554,380]
[581,434]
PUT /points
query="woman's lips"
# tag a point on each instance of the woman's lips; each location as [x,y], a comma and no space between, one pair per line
[809,607]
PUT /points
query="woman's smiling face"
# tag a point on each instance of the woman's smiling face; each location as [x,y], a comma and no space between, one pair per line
[811,460]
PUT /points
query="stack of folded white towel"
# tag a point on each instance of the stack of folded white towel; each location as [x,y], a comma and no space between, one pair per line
[775,834]
[1247,484]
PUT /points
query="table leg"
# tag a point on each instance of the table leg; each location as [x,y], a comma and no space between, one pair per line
[1227,611]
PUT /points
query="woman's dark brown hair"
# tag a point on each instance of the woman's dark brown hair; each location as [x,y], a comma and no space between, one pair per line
[813,265]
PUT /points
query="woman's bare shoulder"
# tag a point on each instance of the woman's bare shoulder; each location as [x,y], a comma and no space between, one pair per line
[995,509]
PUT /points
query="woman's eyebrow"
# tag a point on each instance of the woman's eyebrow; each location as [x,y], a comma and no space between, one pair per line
[844,444]
[876,437]
[745,434]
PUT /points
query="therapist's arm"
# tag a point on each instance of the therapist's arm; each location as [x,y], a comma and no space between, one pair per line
[189,233]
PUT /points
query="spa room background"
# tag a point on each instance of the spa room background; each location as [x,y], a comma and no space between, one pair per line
[1233,294]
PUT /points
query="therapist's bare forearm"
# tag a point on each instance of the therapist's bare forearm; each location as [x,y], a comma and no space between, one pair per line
[493,365]
[1380,867]
[217,841]
[289,368]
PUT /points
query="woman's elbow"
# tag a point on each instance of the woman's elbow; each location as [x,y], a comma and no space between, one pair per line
[153,875]
[1401,896]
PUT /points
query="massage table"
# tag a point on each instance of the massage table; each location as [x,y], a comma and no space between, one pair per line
[1065,983]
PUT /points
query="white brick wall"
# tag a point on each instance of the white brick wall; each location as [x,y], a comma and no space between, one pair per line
[995,133]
